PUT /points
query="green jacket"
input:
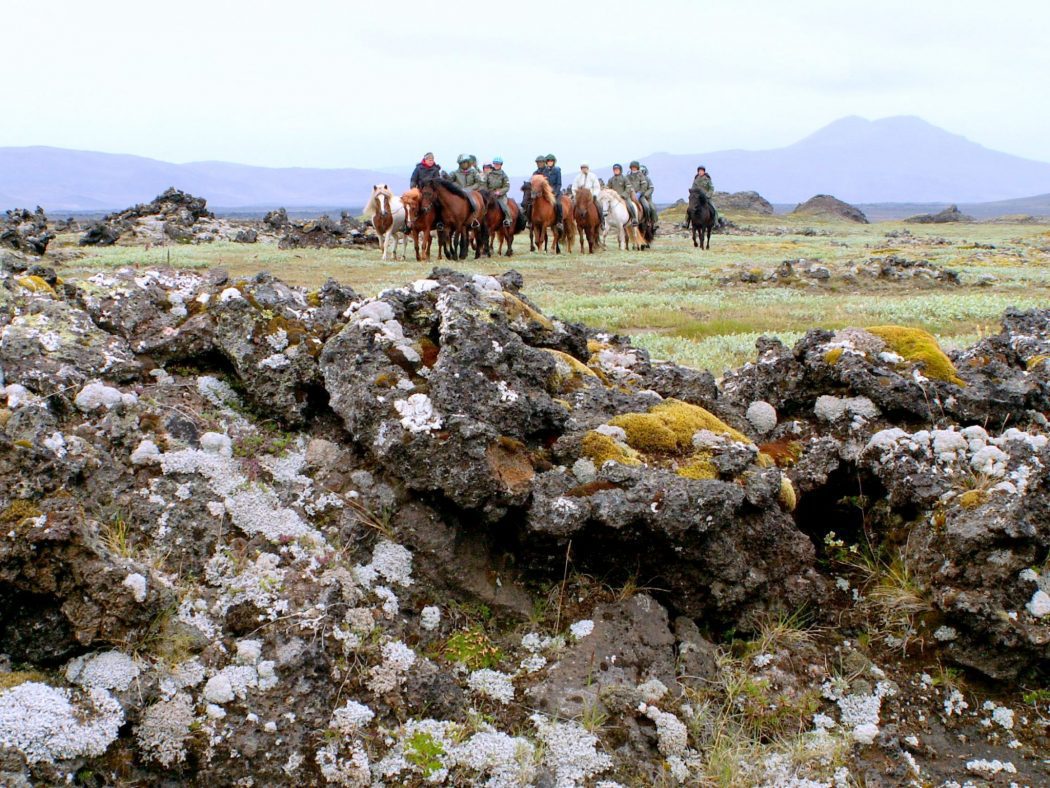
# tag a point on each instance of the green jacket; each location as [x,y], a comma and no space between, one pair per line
[619,184]
[639,182]
[468,179]
[703,182]
[497,182]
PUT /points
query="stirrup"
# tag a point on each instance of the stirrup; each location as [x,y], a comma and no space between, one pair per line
[506,222]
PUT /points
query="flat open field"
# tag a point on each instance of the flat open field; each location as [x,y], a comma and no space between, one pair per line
[692,306]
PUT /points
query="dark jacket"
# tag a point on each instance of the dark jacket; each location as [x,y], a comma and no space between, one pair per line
[554,176]
[423,174]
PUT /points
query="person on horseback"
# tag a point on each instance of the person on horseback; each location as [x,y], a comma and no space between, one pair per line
[426,170]
[618,183]
[554,179]
[702,181]
[639,182]
[588,180]
[497,182]
[466,177]
[541,167]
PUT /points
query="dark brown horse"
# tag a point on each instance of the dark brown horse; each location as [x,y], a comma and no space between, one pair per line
[497,230]
[461,212]
[700,216]
[421,223]
[587,219]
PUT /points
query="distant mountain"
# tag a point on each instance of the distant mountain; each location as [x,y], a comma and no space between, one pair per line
[68,180]
[900,159]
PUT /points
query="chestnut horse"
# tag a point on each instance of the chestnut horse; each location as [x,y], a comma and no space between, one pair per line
[388,218]
[496,229]
[587,219]
[542,216]
[421,222]
[462,213]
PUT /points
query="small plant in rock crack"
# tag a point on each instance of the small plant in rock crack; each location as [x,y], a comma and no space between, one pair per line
[473,648]
[424,752]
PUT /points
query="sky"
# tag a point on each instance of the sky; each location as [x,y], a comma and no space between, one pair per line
[376,84]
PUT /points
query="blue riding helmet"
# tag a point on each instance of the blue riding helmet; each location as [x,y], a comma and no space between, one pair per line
[497,160]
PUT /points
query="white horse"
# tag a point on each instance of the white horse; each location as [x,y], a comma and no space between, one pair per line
[389,219]
[617,218]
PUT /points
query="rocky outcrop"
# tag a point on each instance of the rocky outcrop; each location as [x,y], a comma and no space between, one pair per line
[949,214]
[171,216]
[321,233]
[824,206]
[743,202]
[25,231]
[254,532]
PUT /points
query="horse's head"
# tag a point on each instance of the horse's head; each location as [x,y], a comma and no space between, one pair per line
[427,198]
[410,200]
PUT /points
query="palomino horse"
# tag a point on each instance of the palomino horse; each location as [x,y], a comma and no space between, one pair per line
[496,229]
[587,218]
[421,223]
[618,218]
[461,211]
[700,216]
[542,215]
[388,218]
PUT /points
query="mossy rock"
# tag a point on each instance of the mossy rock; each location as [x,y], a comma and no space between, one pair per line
[18,677]
[1035,361]
[600,449]
[833,356]
[788,499]
[917,345]
[36,284]
[517,309]
[699,466]
[670,426]
[972,499]
[19,510]
[569,371]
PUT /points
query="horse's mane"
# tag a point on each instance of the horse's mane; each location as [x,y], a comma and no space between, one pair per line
[607,192]
[542,185]
[584,196]
[412,196]
[452,188]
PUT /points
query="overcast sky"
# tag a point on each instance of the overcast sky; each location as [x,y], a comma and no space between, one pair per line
[352,84]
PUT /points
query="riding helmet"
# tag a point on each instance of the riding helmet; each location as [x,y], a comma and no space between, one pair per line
[541,158]
[551,157]
[634,164]
[618,167]
[461,158]
[497,160]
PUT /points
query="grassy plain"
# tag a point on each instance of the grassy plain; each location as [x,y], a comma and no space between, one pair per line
[688,305]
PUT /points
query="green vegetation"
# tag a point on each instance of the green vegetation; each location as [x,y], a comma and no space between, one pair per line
[473,648]
[686,305]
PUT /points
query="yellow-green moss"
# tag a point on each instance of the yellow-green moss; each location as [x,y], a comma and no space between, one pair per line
[569,371]
[670,426]
[14,678]
[787,498]
[699,466]
[833,355]
[1035,361]
[516,308]
[914,344]
[686,420]
[763,460]
[18,510]
[313,298]
[601,448]
[35,284]
[594,346]
[5,416]
[646,432]
[972,498]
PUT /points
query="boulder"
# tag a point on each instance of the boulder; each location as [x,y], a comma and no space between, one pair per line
[824,206]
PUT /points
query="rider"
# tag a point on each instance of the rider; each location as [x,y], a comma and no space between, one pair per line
[541,167]
[640,183]
[497,182]
[466,177]
[554,178]
[426,170]
[619,184]
[588,180]
[702,181]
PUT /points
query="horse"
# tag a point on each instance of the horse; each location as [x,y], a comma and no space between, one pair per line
[618,218]
[421,223]
[542,215]
[700,216]
[389,219]
[461,211]
[496,229]
[588,220]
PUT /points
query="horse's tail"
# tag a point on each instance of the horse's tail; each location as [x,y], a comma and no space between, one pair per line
[520,222]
